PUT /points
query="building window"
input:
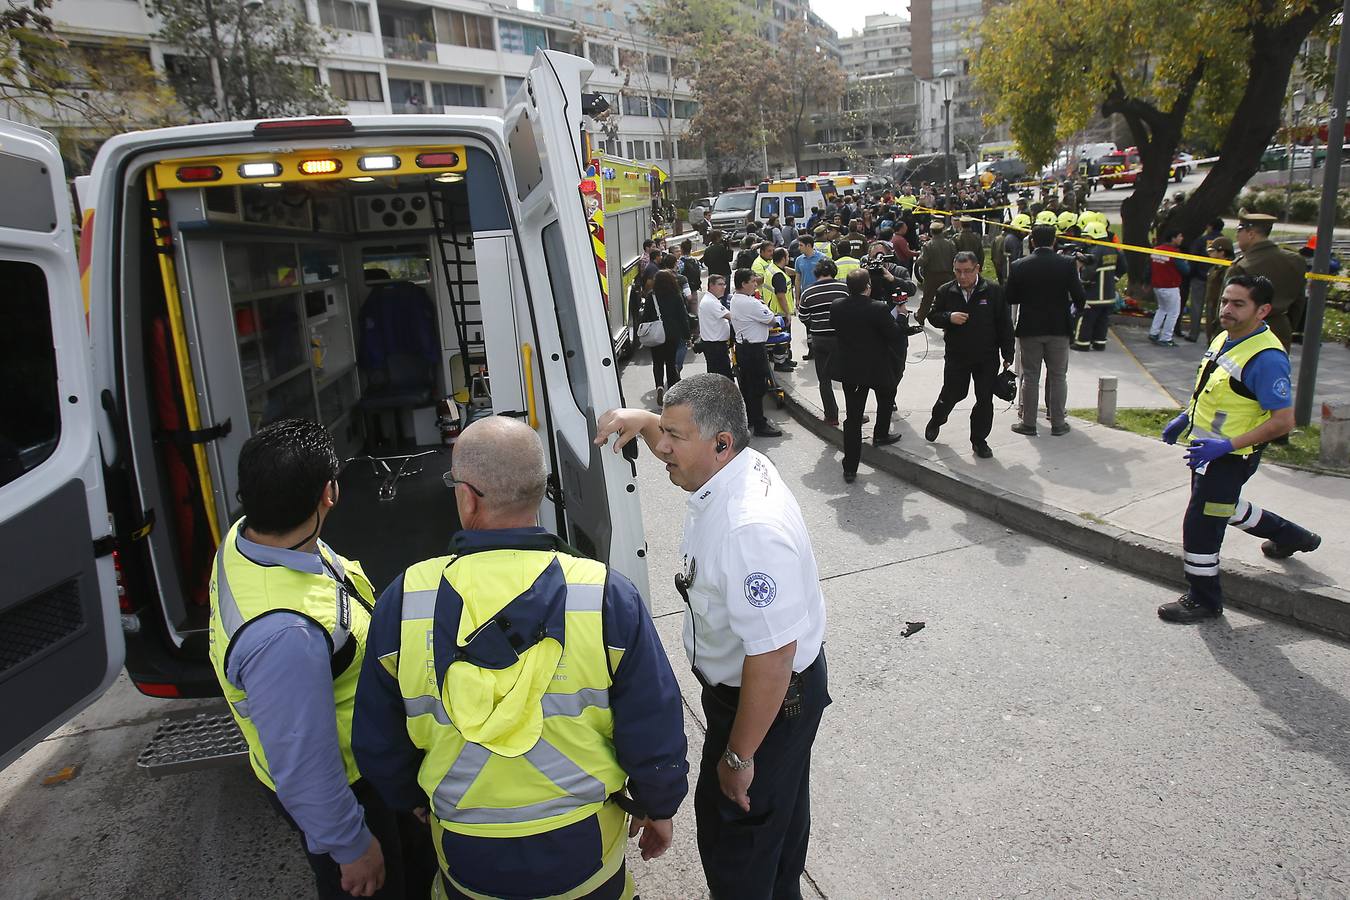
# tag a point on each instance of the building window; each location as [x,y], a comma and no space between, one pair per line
[601,54]
[659,64]
[685,109]
[660,108]
[362,86]
[445,94]
[518,38]
[513,84]
[632,60]
[345,14]
[636,105]
[464,29]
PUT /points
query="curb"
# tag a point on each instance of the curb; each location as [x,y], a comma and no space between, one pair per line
[1319,607]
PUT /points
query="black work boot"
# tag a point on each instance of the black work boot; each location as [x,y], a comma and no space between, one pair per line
[1186,611]
[1273,550]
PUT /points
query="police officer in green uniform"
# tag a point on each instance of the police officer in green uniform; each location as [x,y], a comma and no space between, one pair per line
[513,690]
[1284,269]
[1240,404]
[935,264]
[288,632]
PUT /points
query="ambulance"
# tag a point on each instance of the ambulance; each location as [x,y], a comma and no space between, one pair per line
[793,197]
[620,195]
[393,277]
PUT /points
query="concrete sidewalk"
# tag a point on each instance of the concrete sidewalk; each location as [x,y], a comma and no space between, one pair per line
[1108,494]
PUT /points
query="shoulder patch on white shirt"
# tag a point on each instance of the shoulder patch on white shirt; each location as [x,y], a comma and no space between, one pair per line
[760,589]
[1281,388]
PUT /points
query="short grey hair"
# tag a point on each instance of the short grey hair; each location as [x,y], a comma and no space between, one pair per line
[966,256]
[504,459]
[716,404]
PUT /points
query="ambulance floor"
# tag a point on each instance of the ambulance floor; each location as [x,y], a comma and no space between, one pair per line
[387,536]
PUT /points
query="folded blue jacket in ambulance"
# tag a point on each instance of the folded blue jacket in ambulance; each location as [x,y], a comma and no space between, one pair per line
[397,319]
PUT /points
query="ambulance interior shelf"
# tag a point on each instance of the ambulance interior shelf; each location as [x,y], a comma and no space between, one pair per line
[287,271]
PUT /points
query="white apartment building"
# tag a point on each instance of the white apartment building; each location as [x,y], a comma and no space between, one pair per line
[879,114]
[401,56]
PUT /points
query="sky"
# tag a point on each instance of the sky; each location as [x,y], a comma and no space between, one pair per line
[847,15]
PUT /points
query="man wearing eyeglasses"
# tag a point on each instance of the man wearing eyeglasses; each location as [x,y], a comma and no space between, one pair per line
[514,690]
[754,633]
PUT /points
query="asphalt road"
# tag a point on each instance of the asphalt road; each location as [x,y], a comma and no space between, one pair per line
[1044,735]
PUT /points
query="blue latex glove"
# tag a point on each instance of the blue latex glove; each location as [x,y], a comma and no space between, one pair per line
[1173,429]
[1204,451]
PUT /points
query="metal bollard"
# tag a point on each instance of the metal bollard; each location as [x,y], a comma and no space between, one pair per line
[1336,433]
[1106,400]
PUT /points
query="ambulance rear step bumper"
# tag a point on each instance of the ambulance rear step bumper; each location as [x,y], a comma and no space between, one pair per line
[192,740]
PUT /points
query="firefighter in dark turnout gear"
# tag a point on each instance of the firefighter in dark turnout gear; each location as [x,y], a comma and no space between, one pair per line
[1099,268]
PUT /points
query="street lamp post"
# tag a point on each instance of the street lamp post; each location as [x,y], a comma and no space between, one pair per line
[1295,106]
[1326,221]
[946,76]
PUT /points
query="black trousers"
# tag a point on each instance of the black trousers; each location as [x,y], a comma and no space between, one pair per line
[664,369]
[1216,503]
[759,855]
[610,890]
[855,401]
[1092,326]
[410,862]
[957,376]
[717,355]
[753,377]
[822,346]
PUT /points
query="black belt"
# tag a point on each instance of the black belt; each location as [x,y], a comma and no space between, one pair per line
[730,695]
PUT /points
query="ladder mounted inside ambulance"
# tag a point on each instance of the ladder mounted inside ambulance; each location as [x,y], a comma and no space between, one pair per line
[81,467]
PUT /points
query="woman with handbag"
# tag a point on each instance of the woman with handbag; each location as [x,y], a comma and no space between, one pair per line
[674,322]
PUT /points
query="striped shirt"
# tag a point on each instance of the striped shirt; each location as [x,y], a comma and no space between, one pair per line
[814,309]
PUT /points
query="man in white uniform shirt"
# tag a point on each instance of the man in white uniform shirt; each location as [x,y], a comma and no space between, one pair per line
[714,327]
[754,633]
[750,320]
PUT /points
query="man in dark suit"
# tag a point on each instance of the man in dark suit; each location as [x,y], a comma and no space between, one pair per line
[978,329]
[1046,288]
[868,334]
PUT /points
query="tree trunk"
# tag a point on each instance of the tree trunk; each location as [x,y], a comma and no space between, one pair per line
[1156,135]
[1255,120]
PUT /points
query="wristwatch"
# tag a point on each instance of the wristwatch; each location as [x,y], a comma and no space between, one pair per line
[734,762]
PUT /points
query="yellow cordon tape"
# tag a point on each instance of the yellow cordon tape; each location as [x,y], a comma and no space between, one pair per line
[1151,251]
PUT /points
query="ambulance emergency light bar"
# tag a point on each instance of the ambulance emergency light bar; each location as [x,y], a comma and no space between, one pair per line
[307,165]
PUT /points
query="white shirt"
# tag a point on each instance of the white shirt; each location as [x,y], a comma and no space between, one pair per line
[754,585]
[714,322]
[750,318]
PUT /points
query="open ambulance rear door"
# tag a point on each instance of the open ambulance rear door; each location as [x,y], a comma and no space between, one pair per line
[60,635]
[597,488]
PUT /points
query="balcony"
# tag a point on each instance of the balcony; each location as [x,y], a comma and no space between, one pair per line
[414,108]
[415,49]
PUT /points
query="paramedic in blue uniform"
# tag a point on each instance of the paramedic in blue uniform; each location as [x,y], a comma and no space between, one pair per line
[1240,404]
[754,633]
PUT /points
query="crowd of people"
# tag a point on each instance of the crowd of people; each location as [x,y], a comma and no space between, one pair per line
[1056,271]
